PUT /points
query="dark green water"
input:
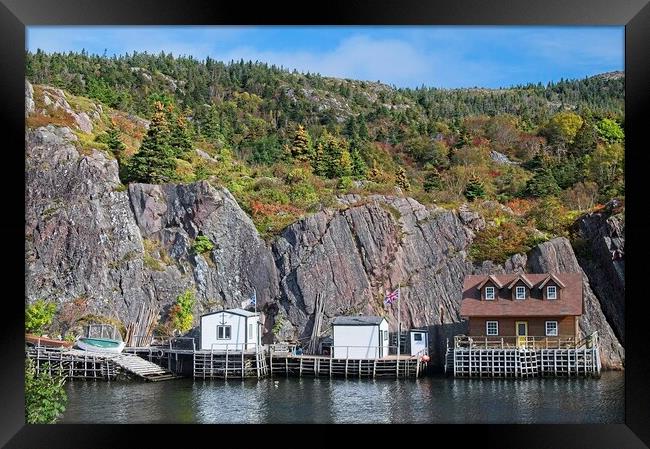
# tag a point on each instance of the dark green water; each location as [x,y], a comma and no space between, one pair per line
[309,400]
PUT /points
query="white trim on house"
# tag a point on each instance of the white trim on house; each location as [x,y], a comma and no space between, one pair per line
[491,289]
[548,292]
[495,328]
[520,289]
[553,332]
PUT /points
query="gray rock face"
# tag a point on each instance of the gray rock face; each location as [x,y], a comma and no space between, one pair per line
[81,239]
[602,257]
[500,158]
[86,237]
[174,215]
[557,255]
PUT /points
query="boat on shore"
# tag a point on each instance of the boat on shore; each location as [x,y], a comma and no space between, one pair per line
[101,338]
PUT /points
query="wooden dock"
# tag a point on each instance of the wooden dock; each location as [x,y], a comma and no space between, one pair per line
[78,364]
[283,360]
[542,356]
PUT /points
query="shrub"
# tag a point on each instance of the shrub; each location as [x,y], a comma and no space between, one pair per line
[39,315]
[497,243]
[181,311]
[45,397]
[202,244]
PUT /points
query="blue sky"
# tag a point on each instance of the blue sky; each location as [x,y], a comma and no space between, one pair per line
[405,56]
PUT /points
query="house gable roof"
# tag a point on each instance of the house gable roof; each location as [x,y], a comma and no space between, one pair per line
[569,304]
[522,278]
[235,311]
[492,278]
[554,278]
[357,320]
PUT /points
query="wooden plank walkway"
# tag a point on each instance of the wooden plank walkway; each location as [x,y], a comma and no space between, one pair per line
[78,364]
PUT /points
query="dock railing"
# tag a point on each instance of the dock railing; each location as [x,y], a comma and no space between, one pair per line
[505,342]
[346,352]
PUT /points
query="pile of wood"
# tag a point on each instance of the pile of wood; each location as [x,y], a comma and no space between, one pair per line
[140,332]
[319,307]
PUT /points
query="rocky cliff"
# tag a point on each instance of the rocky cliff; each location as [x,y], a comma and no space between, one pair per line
[89,236]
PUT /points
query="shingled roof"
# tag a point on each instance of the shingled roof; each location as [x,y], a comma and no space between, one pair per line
[569,303]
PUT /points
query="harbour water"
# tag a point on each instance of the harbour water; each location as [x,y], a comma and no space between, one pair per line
[433,399]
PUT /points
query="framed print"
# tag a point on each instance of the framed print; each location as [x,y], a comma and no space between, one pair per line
[382,213]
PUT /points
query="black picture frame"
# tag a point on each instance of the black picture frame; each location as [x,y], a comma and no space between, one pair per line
[15,15]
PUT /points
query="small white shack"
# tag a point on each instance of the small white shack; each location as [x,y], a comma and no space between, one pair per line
[360,337]
[419,339]
[232,329]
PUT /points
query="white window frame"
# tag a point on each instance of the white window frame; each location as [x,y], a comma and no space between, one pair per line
[546,330]
[548,292]
[487,328]
[493,290]
[224,327]
[517,290]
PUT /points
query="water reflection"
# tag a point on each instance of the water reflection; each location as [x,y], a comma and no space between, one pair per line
[308,400]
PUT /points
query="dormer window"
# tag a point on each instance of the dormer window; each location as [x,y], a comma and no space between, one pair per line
[551,292]
[489,293]
[520,292]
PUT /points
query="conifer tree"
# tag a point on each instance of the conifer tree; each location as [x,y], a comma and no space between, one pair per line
[301,148]
[113,140]
[432,180]
[154,162]
[345,165]
[359,167]
[474,189]
[375,172]
[402,181]
[180,139]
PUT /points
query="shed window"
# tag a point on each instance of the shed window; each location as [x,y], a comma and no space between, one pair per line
[492,328]
[551,292]
[223,332]
[520,292]
[385,335]
[417,337]
[551,328]
[250,330]
[489,293]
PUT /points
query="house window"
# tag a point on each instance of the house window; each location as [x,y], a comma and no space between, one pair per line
[551,292]
[551,328]
[492,327]
[520,292]
[489,292]
[223,332]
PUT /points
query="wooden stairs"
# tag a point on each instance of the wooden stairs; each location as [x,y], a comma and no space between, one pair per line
[142,368]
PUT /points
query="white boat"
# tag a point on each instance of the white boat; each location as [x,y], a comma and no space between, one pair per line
[101,338]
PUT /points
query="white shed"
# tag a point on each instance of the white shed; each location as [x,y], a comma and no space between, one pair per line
[360,337]
[232,329]
[419,341]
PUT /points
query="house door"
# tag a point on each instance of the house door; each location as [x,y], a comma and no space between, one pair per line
[522,332]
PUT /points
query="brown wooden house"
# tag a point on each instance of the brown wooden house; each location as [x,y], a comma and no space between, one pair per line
[520,308]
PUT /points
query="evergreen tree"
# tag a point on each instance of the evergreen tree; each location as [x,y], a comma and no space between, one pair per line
[180,139]
[474,189]
[301,148]
[432,181]
[402,180]
[345,165]
[375,172]
[113,140]
[154,162]
[542,184]
[359,167]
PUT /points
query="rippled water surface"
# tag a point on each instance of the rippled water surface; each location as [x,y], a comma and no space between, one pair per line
[309,400]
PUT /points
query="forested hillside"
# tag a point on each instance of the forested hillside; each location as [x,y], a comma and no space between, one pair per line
[286,144]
